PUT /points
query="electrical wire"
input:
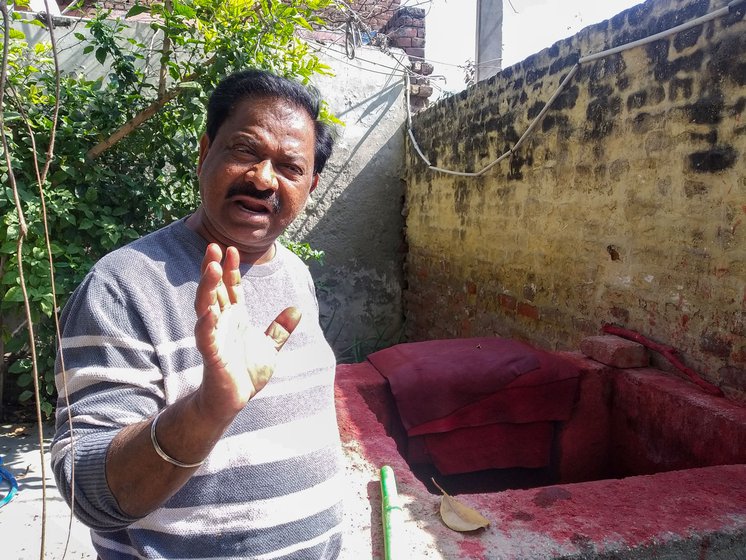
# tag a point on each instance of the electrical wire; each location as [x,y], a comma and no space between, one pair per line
[401,67]
[581,60]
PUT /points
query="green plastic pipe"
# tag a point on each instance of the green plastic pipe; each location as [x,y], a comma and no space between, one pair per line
[391,515]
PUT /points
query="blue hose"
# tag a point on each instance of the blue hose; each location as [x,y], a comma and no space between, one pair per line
[10,480]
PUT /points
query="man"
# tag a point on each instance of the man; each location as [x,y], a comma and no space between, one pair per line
[194,435]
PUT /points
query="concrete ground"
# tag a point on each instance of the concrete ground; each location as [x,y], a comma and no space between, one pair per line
[20,520]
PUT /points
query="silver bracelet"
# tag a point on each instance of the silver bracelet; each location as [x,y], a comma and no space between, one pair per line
[162,454]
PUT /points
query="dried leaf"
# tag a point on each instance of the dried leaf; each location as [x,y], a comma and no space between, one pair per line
[16,431]
[458,516]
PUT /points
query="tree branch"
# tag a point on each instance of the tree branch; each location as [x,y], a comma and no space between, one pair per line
[127,128]
[165,50]
[22,232]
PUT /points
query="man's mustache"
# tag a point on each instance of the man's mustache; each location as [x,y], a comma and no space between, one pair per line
[248,189]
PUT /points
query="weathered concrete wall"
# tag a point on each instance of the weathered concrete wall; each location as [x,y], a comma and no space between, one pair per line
[626,205]
[355,216]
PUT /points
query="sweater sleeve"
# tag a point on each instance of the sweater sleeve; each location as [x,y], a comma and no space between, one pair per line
[107,377]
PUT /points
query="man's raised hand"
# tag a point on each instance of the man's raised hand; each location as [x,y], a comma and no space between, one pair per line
[238,359]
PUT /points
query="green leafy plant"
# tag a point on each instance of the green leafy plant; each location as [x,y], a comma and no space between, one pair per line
[303,250]
[126,144]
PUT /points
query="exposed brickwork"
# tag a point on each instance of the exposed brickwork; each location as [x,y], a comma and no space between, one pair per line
[406,30]
[374,14]
[625,206]
[615,351]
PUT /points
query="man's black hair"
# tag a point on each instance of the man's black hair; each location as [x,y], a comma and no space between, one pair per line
[258,83]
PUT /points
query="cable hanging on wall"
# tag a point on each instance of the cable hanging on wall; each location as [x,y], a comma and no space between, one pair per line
[731,7]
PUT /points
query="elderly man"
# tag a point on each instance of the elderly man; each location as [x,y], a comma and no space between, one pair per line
[193,435]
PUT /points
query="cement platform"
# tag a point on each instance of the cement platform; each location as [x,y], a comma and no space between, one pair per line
[691,514]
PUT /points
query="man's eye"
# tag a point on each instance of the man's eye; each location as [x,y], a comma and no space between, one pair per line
[293,169]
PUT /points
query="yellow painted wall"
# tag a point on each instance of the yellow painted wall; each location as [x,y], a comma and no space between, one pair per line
[626,206]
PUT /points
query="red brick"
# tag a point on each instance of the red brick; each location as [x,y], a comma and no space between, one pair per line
[507,302]
[404,32]
[615,351]
[620,314]
[528,310]
[716,344]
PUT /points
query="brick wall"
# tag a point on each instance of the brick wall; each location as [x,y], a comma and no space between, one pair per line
[626,206]
[406,30]
[374,13]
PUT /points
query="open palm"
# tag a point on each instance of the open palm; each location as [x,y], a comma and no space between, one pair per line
[239,359]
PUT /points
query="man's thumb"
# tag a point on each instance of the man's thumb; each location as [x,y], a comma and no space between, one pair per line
[283,326]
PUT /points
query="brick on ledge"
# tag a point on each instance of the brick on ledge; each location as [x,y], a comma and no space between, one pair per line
[615,351]
[415,52]
[426,91]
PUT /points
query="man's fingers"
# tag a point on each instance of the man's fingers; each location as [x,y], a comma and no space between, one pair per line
[212,254]
[283,326]
[217,282]
[206,290]
[232,276]
[221,294]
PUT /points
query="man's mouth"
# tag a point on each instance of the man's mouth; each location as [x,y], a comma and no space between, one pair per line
[254,200]
[253,205]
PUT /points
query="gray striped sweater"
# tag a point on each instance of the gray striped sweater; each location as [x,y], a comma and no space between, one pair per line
[271,487]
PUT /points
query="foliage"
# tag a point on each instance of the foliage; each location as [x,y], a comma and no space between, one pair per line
[303,250]
[146,179]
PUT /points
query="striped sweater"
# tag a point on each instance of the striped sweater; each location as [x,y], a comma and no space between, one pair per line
[271,487]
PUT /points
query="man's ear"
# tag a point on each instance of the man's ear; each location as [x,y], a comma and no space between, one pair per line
[314,183]
[204,146]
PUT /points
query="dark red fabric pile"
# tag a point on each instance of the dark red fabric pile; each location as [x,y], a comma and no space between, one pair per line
[478,403]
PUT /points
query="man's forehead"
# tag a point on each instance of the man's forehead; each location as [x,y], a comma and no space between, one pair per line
[261,106]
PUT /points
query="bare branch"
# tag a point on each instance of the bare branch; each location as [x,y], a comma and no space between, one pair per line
[47,239]
[22,232]
[165,50]
[56,111]
[22,227]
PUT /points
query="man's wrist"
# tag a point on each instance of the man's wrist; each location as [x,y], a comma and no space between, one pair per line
[214,411]
[162,454]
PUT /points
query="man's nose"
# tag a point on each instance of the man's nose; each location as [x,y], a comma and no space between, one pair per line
[262,175]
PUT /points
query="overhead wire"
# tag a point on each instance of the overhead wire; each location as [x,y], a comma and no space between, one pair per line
[392,69]
[355,16]
[547,106]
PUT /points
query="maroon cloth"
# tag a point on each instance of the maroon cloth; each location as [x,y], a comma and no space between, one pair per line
[496,446]
[434,378]
[479,403]
[546,393]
